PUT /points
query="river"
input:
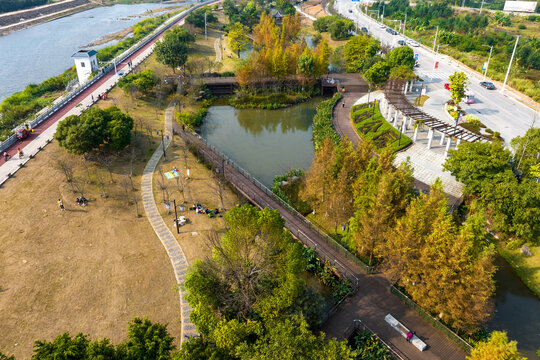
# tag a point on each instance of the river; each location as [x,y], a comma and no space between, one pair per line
[42,51]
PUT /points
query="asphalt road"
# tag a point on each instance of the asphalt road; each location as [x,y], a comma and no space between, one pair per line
[498,111]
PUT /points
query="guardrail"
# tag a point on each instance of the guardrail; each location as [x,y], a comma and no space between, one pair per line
[119,59]
[439,325]
[325,237]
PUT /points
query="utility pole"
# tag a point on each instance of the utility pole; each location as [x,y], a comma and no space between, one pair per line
[481,7]
[205,32]
[463,3]
[435,41]
[487,66]
[510,65]
[176,219]
[404,23]
[114,61]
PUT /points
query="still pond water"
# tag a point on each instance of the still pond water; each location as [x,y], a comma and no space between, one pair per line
[270,142]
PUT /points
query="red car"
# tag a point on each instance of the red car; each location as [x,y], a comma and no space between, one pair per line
[23,133]
[447,86]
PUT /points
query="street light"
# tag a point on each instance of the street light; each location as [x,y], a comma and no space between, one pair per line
[510,64]
[435,41]
[437,53]
[489,57]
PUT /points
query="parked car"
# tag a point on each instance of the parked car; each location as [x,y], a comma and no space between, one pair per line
[364,29]
[382,26]
[488,85]
[350,10]
[391,31]
[412,43]
[447,86]
[401,42]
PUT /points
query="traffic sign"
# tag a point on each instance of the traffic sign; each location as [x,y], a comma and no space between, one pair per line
[416,57]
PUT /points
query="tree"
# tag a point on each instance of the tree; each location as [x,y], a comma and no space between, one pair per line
[196,17]
[527,151]
[497,347]
[173,50]
[5,357]
[475,163]
[148,341]
[341,29]
[358,49]
[458,86]
[402,72]
[378,73]
[238,37]
[401,56]
[142,82]
[306,65]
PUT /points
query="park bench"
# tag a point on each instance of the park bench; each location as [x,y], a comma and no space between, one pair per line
[403,331]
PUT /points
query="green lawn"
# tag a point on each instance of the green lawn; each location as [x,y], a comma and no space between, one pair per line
[527,268]
[371,125]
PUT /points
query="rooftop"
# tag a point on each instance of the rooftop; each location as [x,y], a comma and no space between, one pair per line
[84,54]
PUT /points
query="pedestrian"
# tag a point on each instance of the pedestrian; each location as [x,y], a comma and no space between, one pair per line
[19,151]
[61,205]
[6,156]
[183,127]
[343,104]
[168,206]
[409,336]
[92,97]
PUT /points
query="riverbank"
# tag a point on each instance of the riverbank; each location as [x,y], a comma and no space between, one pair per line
[23,19]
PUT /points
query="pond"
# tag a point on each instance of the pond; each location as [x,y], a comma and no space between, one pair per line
[264,142]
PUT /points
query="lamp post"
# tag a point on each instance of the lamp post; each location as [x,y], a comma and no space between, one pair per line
[489,58]
[510,64]
[435,41]
[163,142]
[176,218]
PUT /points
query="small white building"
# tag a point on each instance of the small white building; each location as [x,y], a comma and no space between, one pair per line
[85,63]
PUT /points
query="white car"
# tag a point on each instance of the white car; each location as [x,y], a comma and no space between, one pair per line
[382,26]
[412,43]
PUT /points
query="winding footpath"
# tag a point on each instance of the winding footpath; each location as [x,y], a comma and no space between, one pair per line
[169,242]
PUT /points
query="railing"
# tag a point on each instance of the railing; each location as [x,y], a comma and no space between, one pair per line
[449,333]
[119,59]
[299,233]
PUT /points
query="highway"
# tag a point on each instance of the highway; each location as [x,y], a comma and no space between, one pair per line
[498,111]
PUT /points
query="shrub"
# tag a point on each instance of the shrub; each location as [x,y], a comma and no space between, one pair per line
[322,122]
[521,27]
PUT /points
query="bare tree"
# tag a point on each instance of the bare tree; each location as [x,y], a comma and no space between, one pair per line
[217,187]
[101,179]
[65,163]
[131,195]
[180,186]
[163,186]
[80,184]
[106,160]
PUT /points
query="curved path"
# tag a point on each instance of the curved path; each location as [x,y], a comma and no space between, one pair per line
[173,249]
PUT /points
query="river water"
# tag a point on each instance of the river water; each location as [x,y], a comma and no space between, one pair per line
[42,51]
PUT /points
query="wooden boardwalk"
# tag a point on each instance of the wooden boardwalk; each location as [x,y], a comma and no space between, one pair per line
[372,300]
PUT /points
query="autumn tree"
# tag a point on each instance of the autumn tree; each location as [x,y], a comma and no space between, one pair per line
[496,347]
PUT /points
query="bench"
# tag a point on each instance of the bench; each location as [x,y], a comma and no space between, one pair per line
[403,331]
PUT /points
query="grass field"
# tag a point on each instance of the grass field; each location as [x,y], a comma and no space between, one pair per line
[92,269]
[527,268]
[371,125]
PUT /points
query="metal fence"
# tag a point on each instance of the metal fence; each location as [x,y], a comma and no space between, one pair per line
[119,59]
[342,268]
[449,333]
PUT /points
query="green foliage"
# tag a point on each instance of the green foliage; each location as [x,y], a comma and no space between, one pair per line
[401,56]
[245,99]
[526,149]
[378,73]
[458,86]
[340,286]
[194,120]
[370,114]
[173,50]
[140,30]
[497,347]
[23,105]
[5,357]
[358,50]
[306,65]
[145,341]
[290,195]
[238,37]
[245,13]
[142,82]
[196,17]
[502,18]
[93,128]
[340,28]
[368,347]
[322,122]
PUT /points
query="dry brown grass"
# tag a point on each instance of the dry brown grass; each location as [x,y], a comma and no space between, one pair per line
[91,269]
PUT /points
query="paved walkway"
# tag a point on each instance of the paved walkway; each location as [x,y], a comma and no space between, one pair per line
[173,249]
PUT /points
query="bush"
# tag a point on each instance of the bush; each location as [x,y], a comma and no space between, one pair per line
[521,27]
[322,122]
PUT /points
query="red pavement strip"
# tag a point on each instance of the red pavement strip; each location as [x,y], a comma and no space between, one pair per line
[12,150]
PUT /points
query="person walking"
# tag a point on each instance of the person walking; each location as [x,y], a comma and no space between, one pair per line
[409,336]
[61,205]
[6,156]
[19,151]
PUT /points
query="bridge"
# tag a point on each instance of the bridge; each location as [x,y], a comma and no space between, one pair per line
[372,300]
